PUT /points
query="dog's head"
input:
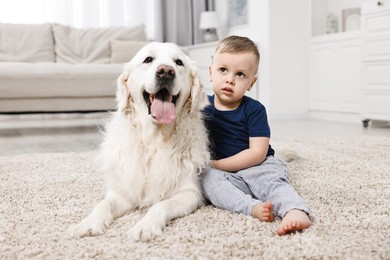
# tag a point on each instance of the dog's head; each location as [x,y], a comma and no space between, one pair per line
[159,81]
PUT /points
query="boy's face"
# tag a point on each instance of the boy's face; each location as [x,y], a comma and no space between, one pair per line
[232,75]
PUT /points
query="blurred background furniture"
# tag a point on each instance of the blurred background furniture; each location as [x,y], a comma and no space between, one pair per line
[52,67]
[375,104]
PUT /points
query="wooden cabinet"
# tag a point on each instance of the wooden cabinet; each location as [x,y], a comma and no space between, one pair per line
[335,62]
[375,103]
[335,66]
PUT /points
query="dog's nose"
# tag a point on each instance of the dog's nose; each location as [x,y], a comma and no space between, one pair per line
[166,72]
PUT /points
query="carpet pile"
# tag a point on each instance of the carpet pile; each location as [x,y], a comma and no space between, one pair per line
[345,182]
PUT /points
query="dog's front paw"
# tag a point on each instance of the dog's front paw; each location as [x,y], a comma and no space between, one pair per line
[145,230]
[87,227]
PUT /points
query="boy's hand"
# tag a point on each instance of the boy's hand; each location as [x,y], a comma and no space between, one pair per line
[254,155]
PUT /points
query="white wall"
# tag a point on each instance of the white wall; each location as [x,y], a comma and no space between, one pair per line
[282,30]
[318,16]
[289,45]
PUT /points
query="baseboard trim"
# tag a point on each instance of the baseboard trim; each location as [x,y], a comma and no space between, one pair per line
[42,120]
[335,116]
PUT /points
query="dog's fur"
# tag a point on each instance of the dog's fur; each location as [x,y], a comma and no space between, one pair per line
[152,158]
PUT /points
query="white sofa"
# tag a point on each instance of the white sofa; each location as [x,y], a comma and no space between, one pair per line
[54,68]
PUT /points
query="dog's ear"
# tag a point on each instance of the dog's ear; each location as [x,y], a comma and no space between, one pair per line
[123,98]
[199,99]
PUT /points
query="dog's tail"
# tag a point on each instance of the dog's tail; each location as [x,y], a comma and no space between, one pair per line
[287,155]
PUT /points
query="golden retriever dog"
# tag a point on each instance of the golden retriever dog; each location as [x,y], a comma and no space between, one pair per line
[155,144]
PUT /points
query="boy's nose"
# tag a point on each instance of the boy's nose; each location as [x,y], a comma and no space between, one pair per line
[230,79]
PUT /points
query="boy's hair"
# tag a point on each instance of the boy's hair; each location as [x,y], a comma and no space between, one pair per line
[238,44]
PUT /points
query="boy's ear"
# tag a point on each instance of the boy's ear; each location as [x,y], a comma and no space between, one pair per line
[210,73]
[253,83]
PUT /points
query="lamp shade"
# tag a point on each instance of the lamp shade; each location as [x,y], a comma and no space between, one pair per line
[209,20]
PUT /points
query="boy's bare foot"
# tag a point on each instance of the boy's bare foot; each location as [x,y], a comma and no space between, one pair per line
[294,220]
[263,212]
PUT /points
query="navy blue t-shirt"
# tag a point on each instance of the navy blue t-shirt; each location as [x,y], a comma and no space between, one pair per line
[229,131]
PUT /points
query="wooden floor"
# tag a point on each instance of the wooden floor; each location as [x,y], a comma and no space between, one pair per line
[40,135]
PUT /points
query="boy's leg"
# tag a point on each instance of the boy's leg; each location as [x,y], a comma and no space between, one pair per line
[269,182]
[225,191]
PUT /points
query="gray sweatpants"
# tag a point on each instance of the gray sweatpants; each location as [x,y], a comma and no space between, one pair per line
[242,190]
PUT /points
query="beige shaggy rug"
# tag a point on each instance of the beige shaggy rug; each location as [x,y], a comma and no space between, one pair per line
[346,183]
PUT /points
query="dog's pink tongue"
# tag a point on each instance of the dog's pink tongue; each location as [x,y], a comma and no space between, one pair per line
[163,111]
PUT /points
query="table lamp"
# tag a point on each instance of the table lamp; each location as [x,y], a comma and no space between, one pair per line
[209,22]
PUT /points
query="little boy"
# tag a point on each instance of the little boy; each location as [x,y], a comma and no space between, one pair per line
[245,177]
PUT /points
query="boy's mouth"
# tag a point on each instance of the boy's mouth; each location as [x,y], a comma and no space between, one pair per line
[228,90]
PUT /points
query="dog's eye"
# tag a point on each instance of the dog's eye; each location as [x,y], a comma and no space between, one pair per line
[179,62]
[148,60]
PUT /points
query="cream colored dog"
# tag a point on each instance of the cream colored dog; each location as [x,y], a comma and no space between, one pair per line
[155,145]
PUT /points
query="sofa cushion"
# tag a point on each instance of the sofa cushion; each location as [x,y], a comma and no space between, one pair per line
[91,45]
[124,51]
[48,79]
[26,42]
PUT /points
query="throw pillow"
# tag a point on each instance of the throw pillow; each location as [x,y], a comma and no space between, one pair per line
[26,42]
[91,45]
[124,51]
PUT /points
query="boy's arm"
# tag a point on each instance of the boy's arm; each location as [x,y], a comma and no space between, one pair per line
[254,155]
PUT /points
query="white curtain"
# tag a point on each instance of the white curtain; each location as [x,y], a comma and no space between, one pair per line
[81,13]
[165,20]
[178,21]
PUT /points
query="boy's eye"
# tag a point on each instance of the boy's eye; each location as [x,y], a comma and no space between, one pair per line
[222,69]
[240,74]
